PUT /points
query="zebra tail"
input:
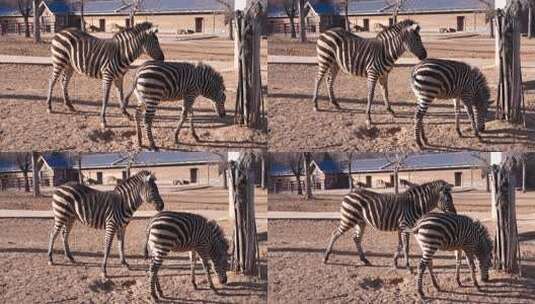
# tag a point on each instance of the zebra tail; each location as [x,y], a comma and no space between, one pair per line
[131,90]
[146,244]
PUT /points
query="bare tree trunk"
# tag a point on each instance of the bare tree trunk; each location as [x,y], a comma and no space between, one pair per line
[302,29]
[26,181]
[299,187]
[530,20]
[264,172]
[82,16]
[27,26]
[35,174]
[292,28]
[307,159]
[36,25]
[80,174]
[506,237]
[350,161]
[396,180]
[524,176]
[346,8]
[242,181]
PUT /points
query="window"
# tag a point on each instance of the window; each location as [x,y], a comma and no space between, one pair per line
[368,181]
[460,23]
[458,179]
[102,25]
[193,175]
[366,25]
[99,178]
[198,25]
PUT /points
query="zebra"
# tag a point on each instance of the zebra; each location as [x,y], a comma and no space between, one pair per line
[448,231]
[157,80]
[106,59]
[109,210]
[439,78]
[181,231]
[371,58]
[390,212]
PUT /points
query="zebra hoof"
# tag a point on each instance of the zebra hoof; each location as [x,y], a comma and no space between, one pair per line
[368,124]
[195,137]
[71,108]
[316,109]
[337,106]
[50,263]
[49,111]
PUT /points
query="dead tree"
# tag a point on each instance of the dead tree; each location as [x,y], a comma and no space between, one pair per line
[396,161]
[24,161]
[302,15]
[307,158]
[295,162]
[510,99]
[241,193]
[135,6]
[36,24]
[290,7]
[395,6]
[229,16]
[490,13]
[249,110]
[349,168]
[506,246]
[25,8]
[35,174]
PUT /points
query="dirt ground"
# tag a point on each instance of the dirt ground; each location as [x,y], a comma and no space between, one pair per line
[330,201]
[209,198]
[296,270]
[343,130]
[27,278]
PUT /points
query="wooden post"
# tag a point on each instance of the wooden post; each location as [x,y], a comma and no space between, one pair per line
[35,174]
[241,193]
[36,26]
[302,28]
[80,175]
[506,246]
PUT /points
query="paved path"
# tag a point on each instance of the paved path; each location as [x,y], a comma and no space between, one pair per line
[221,66]
[45,214]
[311,60]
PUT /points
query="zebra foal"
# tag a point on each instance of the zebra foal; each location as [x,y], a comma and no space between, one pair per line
[106,59]
[372,58]
[390,212]
[442,79]
[109,210]
[450,232]
[181,231]
[158,80]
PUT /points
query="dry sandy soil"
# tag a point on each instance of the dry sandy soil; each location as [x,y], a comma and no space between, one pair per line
[343,130]
[209,198]
[22,99]
[296,270]
[27,278]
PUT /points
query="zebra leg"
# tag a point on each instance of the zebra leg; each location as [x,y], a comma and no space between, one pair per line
[458,267]
[124,103]
[120,241]
[338,232]
[108,239]
[206,267]
[193,263]
[56,72]
[319,77]
[66,230]
[193,134]
[405,237]
[456,106]
[372,81]
[137,114]
[53,235]
[398,250]
[383,82]
[469,109]
[67,75]
[357,238]
[155,289]
[432,274]
[421,271]
[331,77]
[147,121]
[419,128]
[106,86]
[470,260]
[183,117]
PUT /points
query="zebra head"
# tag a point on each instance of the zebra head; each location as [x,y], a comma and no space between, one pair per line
[219,251]
[213,88]
[412,40]
[483,251]
[151,45]
[481,99]
[149,191]
[445,200]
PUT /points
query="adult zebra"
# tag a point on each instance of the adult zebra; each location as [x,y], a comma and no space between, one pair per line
[158,80]
[372,58]
[106,59]
[390,212]
[181,231]
[109,210]
[453,232]
[439,78]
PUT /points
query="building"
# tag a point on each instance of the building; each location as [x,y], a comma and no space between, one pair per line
[461,169]
[173,168]
[371,15]
[170,16]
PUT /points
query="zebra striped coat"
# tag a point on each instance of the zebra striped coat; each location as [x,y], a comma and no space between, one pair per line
[109,210]
[450,232]
[442,79]
[390,212]
[371,58]
[157,80]
[106,59]
[181,231]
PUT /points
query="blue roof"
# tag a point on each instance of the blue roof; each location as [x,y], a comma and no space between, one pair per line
[58,160]
[328,166]
[108,6]
[324,8]
[147,159]
[58,7]
[380,7]
[117,6]
[8,165]
[8,11]
[279,170]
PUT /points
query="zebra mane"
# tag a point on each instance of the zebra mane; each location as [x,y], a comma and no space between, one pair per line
[398,27]
[218,233]
[486,239]
[136,29]
[432,184]
[134,178]
[213,75]
[483,90]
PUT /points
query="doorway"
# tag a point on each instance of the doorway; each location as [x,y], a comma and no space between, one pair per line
[198,25]
[460,23]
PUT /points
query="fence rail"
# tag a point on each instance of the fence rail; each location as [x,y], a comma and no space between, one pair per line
[19,28]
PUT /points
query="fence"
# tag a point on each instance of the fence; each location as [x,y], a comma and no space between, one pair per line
[18,183]
[286,29]
[19,28]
